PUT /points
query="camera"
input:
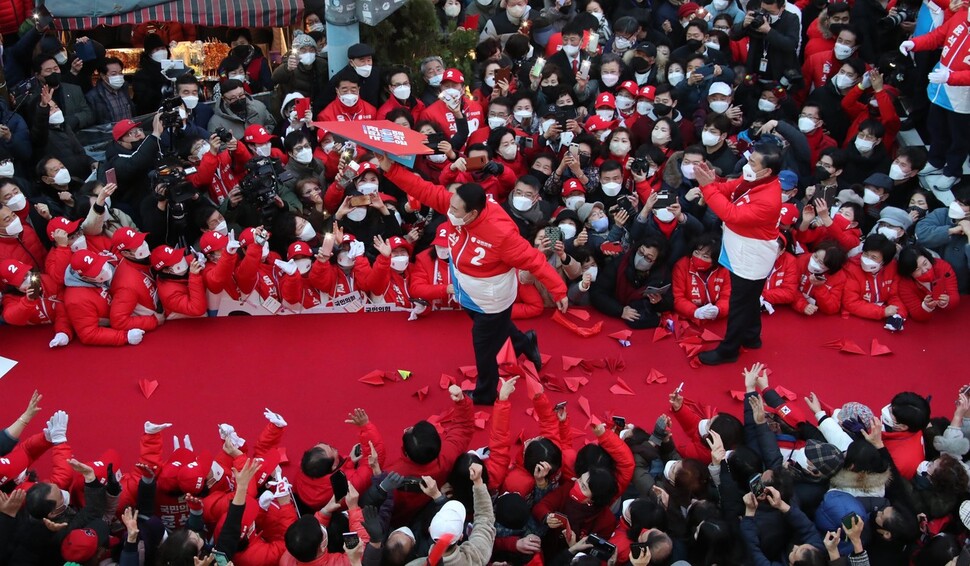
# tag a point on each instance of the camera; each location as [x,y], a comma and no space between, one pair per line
[758,19]
[894,67]
[640,165]
[259,186]
[224,135]
[176,188]
[892,21]
[169,113]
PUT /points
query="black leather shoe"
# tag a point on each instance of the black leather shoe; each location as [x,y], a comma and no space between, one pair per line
[532,352]
[714,358]
[753,344]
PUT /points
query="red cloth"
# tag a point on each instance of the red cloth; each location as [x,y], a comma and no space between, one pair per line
[912,292]
[219,174]
[57,262]
[25,248]
[781,287]
[528,302]
[520,480]
[183,297]
[818,141]
[499,445]
[828,297]
[693,289]
[134,297]
[18,460]
[859,112]
[13,13]
[867,295]
[694,446]
[87,308]
[816,43]
[906,448]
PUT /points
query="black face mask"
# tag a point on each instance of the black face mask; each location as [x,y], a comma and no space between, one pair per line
[550,92]
[539,175]
[920,213]
[694,44]
[584,161]
[661,109]
[238,107]
[640,65]
[821,173]
[53,80]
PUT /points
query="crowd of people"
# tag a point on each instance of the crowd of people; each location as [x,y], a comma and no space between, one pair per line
[784,484]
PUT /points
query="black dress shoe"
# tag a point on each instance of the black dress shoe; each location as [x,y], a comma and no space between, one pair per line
[752,344]
[532,351]
[714,358]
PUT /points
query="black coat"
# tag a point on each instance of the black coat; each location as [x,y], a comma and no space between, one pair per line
[780,44]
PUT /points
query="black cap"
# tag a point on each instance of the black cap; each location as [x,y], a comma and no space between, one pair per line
[359,50]
[647,48]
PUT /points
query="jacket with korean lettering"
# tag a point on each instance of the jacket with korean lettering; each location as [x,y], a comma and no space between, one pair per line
[19,310]
[88,309]
[954,37]
[781,288]
[693,289]
[134,297]
[750,211]
[827,297]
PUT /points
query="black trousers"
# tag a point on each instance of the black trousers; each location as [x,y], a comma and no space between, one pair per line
[744,315]
[949,139]
[489,333]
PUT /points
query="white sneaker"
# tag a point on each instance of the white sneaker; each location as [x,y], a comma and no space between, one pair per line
[930,169]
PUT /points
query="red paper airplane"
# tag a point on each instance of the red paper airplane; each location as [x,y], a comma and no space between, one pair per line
[656,377]
[421,393]
[708,336]
[691,349]
[786,393]
[471,372]
[660,333]
[584,332]
[446,381]
[850,347]
[739,395]
[375,377]
[533,387]
[573,383]
[622,335]
[615,365]
[545,358]
[879,349]
[569,362]
[506,358]
[584,406]
[621,388]
[579,313]
[532,413]
[554,383]
[467,385]
[147,386]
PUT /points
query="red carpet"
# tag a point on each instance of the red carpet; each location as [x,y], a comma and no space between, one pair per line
[306,368]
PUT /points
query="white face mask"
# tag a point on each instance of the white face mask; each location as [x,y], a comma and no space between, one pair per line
[622,43]
[344,259]
[7,169]
[368,188]
[190,101]
[870,196]
[573,203]
[437,158]
[15,227]
[203,149]
[349,99]
[749,173]
[720,4]
[619,148]
[452,93]
[116,81]
[436,79]
[815,267]
[521,204]
[107,272]
[522,115]
[842,52]
[719,106]
[307,58]
[17,202]
[264,149]
[304,156]
[610,79]
[593,271]
[605,114]
[888,420]
[889,233]
[80,243]
[62,177]
[687,170]
[896,172]
[515,12]
[307,233]
[709,139]
[160,55]
[315,27]
[842,82]
[303,265]
[659,137]
[56,118]
[864,146]
[400,262]
[806,124]
[713,45]
[142,251]
[442,251]
[180,268]
[955,211]
[61,57]
[624,102]
[241,77]
[644,107]
[508,152]
[222,228]
[664,215]
[455,220]
[611,189]
[452,10]
[675,78]
[568,231]
[495,122]
[869,265]
[766,105]
[570,50]
[357,214]
[402,92]
[364,70]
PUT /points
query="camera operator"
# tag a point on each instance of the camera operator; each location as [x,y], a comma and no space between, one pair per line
[180,128]
[883,30]
[774,35]
[166,217]
[220,163]
[132,156]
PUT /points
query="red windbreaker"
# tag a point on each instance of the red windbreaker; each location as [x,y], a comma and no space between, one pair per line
[182,298]
[134,297]
[781,287]
[867,295]
[828,297]
[88,309]
[329,278]
[912,292]
[337,112]
[693,289]
[221,173]
[430,278]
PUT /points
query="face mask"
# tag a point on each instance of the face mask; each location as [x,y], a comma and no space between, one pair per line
[400,262]
[842,52]
[955,211]
[576,493]
[515,12]
[344,260]
[842,82]
[357,214]
[307,58]
[568,231]
[364,70]
[675,78]
[452,10]
[368,188]
[62,177]
[619,148]
[709,139]
[327,147]
[870,265]
[180,268]
[920,213]
[611,189]
[495,122]
[160,55]
[687,169]
[766,105]
[107,272]
[888,232]
[888,420]
[402,92]
[452,93]
[142,251]
[610,79]
[659,137]
[17,202]
[624,102]
[522,115]
[583,159]
[241,77]
[806,124]
[239,107]
[264,149]
[307,233]
[749,173]
[926,276]
[815,267]
[435,80]
[15,227]
[521,204]
[600,224]
[455,220]
[190,101]
[222,228]
[203,149]
[303,265]
[573,203]
[7,169]
[606,114]
[56,118]
[79,244]
[442,251]
[719,106]
[713,45]
[669,470]
[508,152]
[622,43]
[570,50]
[349,99]
[292,116]
[644,107]
[651,171]
[437,158]
[700,264]
[641,263]
[720,4]
[870,196]
[661,109]
[895,172]
[864,146]
[116,81]
[304,156]
[821,173]
[640,66]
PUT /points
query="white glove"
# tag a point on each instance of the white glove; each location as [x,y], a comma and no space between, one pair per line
[274,418]
[356,249]
[279,488]
[266,499]
[135,336]
[706,312]
[866,81]
[228,431]
[287,267]
[152,428]
[188,443]
[939,76]
[767,306]
[60,339]
[56,431]
[233,245]
[417,310]
[906,47]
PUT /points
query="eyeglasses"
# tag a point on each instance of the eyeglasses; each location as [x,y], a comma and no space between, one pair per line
[234,98]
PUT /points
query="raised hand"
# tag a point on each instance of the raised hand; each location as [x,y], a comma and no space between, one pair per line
[357,417]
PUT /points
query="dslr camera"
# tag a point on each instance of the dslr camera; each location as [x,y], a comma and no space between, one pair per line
[903,13]
[169,112]
[176,189]
[224,135]
[758,19]
[260,185]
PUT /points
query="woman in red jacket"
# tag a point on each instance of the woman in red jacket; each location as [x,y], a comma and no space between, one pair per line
[871,289]
[537,469]
[781,287]
[702,289]
[31,298]
[392,272]
[181,288]
[926,284]
[431,278]
[820,280]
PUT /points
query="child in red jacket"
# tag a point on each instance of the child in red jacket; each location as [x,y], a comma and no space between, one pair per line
[871,289]
[927,285]
[702,289]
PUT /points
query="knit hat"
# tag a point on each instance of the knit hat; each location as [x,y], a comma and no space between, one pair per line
[449,520]
[303,40]
[688,9]
[567,214]
[826,458]
[896,217]
[152,42]
[853,416]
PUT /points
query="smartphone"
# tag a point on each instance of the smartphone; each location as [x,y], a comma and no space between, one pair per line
[357,451]
[664,199]
[619,423]
[110,176]
[360,200]
[220,558]
[476,163]
[503,74]
[574,149]
[965,390]
[411,484]
[338,481]
[301,106]
[847,522]
[679,389]
[564,520]
[602,548]
[756,486]
[637,549]
[560,406]
[351,540]
[434,140]
[554,234]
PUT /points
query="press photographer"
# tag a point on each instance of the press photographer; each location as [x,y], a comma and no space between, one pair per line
[132,156]
[220,163]
[166,217]
[259,200]
[774,33]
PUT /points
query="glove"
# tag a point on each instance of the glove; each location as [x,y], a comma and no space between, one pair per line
[866,81]
[135,336]
[356,249]
[287,267]
[660,432]
[391,481]
[906,47]
[274,418]
[767,306]
[372,523]
[417,310]
[56,431]
[187,443]
[228,431]
[265,500]
[894,323]
[493,168]
[152,428]
[233,245]
[939,76]
[60,339]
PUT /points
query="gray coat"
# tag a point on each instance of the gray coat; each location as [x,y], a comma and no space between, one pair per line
[256,113]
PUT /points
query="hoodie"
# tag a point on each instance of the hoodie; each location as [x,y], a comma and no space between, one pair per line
[88,310]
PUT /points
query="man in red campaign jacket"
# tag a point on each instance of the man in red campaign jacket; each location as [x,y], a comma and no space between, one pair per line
[781,288]
[452,106]
[431,277]
[400,96]
[87,301]
[497,179]
[295,287]
[34,300]
[134,295]
[871,283]
[311,482]
[486,251]
[260,143]
[181,288]
[255,276]
[216,171]
[348,106]
[18,241]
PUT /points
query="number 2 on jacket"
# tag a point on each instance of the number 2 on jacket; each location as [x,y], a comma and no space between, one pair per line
[479,256]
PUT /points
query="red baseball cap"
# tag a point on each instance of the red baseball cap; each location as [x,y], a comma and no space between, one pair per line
[399,242]
[127,239]
[630,87]
[649,92]
[453,75]
[80,545]
[212,241]
[87,263]
[13,272]
[123,127]
[789,214]
[365,167]
[256,134]
[166,256]
[247,237]
[61,223]
[571,186]
[100,466]
[348,238]
[605,100]
[271,459]
[441,237]
[596,124]
[192,475]
[298,249]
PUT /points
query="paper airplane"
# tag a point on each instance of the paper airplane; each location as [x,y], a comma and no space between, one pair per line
[621,388]
[147,386]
